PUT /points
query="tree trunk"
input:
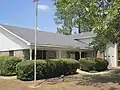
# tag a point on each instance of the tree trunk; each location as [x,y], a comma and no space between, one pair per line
[79,28]
[70,30]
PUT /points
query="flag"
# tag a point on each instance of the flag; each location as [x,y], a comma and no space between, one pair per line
[35,0]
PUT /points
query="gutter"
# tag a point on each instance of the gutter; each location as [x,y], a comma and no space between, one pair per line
[56,46]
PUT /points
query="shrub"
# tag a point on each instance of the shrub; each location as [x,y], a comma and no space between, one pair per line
[55,68]
[118,62]
[64,66]
[70,66]
[87,64]
[90,64]
[46,68]
[101,64]
[25,70]
[8,65]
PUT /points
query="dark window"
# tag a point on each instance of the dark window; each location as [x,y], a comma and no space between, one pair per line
[77,55]
[41,54]
[68,54]
[83,54]
[11,53]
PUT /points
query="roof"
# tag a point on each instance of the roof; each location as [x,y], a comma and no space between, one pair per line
[83,35]
[44,38]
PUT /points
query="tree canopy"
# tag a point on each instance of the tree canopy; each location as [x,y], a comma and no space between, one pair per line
[101,16]
[71,14]
[105,24]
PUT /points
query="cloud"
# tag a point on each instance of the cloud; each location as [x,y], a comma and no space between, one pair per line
[43,7]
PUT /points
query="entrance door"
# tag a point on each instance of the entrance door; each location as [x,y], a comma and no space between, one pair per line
[77,55]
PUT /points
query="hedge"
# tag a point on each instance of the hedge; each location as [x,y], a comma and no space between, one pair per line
[46,68]
[101,64]
[8,65]
[93,64]
[62,67]
[118,62]
[25,70]
[87,64]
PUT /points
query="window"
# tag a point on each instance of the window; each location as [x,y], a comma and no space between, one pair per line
[83,54]
[11,53]
[71,54]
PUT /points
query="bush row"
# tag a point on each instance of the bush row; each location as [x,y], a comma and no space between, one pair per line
[93,64]
[46,68]
[118,62]
[8,65]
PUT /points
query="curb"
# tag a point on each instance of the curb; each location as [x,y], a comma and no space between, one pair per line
[98,73]
[10,77]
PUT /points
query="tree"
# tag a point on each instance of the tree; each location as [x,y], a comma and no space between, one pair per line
[71,14]
[101,16]
[105,22]
[64,30]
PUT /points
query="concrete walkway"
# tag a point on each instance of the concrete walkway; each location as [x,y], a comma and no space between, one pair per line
[98,73]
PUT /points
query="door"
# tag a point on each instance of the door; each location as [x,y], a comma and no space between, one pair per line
[77,55]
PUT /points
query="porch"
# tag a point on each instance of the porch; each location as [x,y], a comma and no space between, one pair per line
[58,52]
[52,54]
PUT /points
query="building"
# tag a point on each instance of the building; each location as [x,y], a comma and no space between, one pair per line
[19,41]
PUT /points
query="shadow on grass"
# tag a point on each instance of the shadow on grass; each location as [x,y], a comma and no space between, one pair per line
[101,80]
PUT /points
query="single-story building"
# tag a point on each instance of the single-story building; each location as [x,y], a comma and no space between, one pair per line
[19,41]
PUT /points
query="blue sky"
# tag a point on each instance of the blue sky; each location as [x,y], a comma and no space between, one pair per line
[22,13]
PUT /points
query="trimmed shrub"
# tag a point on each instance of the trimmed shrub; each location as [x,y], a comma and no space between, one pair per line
[101,64]
[46,68]
[87,64]
[93,64]
[25,70]
[55,68]
[70,66]
[62,67]
[8,65]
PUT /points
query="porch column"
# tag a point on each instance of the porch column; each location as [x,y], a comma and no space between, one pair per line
[59,54]
[30,54]
[80,54]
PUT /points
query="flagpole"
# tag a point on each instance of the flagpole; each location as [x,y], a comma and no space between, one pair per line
[36,25]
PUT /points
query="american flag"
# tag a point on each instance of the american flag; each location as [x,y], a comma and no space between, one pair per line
[35,0]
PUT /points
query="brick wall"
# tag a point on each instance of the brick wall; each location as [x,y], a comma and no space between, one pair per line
[4,53]
[17,53]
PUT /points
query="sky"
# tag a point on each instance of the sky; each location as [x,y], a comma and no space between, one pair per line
[22,13]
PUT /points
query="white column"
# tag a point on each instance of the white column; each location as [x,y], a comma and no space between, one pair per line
[30,54]
[80,54]
[60,54]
